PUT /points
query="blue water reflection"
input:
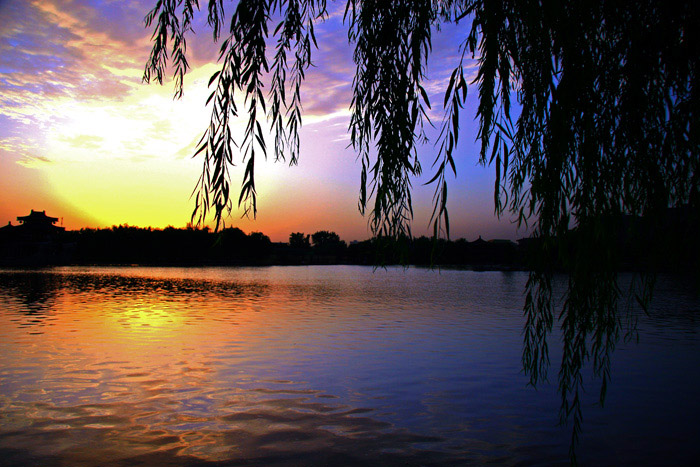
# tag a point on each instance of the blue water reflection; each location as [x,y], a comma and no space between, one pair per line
[317,365]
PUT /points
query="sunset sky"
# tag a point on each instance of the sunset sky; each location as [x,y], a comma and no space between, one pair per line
[84,139]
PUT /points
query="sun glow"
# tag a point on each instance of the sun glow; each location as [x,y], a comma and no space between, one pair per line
[126,160]
[157,319]
[84,139]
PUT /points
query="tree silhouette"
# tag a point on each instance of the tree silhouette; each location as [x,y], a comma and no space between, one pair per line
[324,240]
[587,112]
[299,240]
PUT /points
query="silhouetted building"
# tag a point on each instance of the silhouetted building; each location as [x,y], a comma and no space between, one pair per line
[37,222]
[479,242]
[35,241]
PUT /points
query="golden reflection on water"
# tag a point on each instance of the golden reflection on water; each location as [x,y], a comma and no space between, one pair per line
[129,369]
[277,366]
[179,369]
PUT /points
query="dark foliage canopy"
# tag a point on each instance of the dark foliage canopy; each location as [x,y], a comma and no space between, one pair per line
[587,112]
[299,240]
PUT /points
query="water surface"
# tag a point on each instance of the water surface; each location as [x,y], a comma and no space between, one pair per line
[318,365]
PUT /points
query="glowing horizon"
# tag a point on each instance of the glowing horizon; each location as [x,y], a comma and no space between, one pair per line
[82,137]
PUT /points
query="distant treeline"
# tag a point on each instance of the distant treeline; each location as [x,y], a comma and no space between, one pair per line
[231,246]
[670,247]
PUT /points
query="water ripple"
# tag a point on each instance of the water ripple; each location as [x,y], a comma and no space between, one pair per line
[309,366]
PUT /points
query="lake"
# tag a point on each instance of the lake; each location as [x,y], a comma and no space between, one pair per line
[320,365]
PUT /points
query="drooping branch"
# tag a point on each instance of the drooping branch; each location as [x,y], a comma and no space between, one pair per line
[244,70]
[603,131]
[392,43]
[296,36]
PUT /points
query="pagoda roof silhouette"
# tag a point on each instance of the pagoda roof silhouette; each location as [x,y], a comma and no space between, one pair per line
[37,218]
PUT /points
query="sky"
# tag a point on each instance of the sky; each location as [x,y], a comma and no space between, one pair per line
[83,138]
